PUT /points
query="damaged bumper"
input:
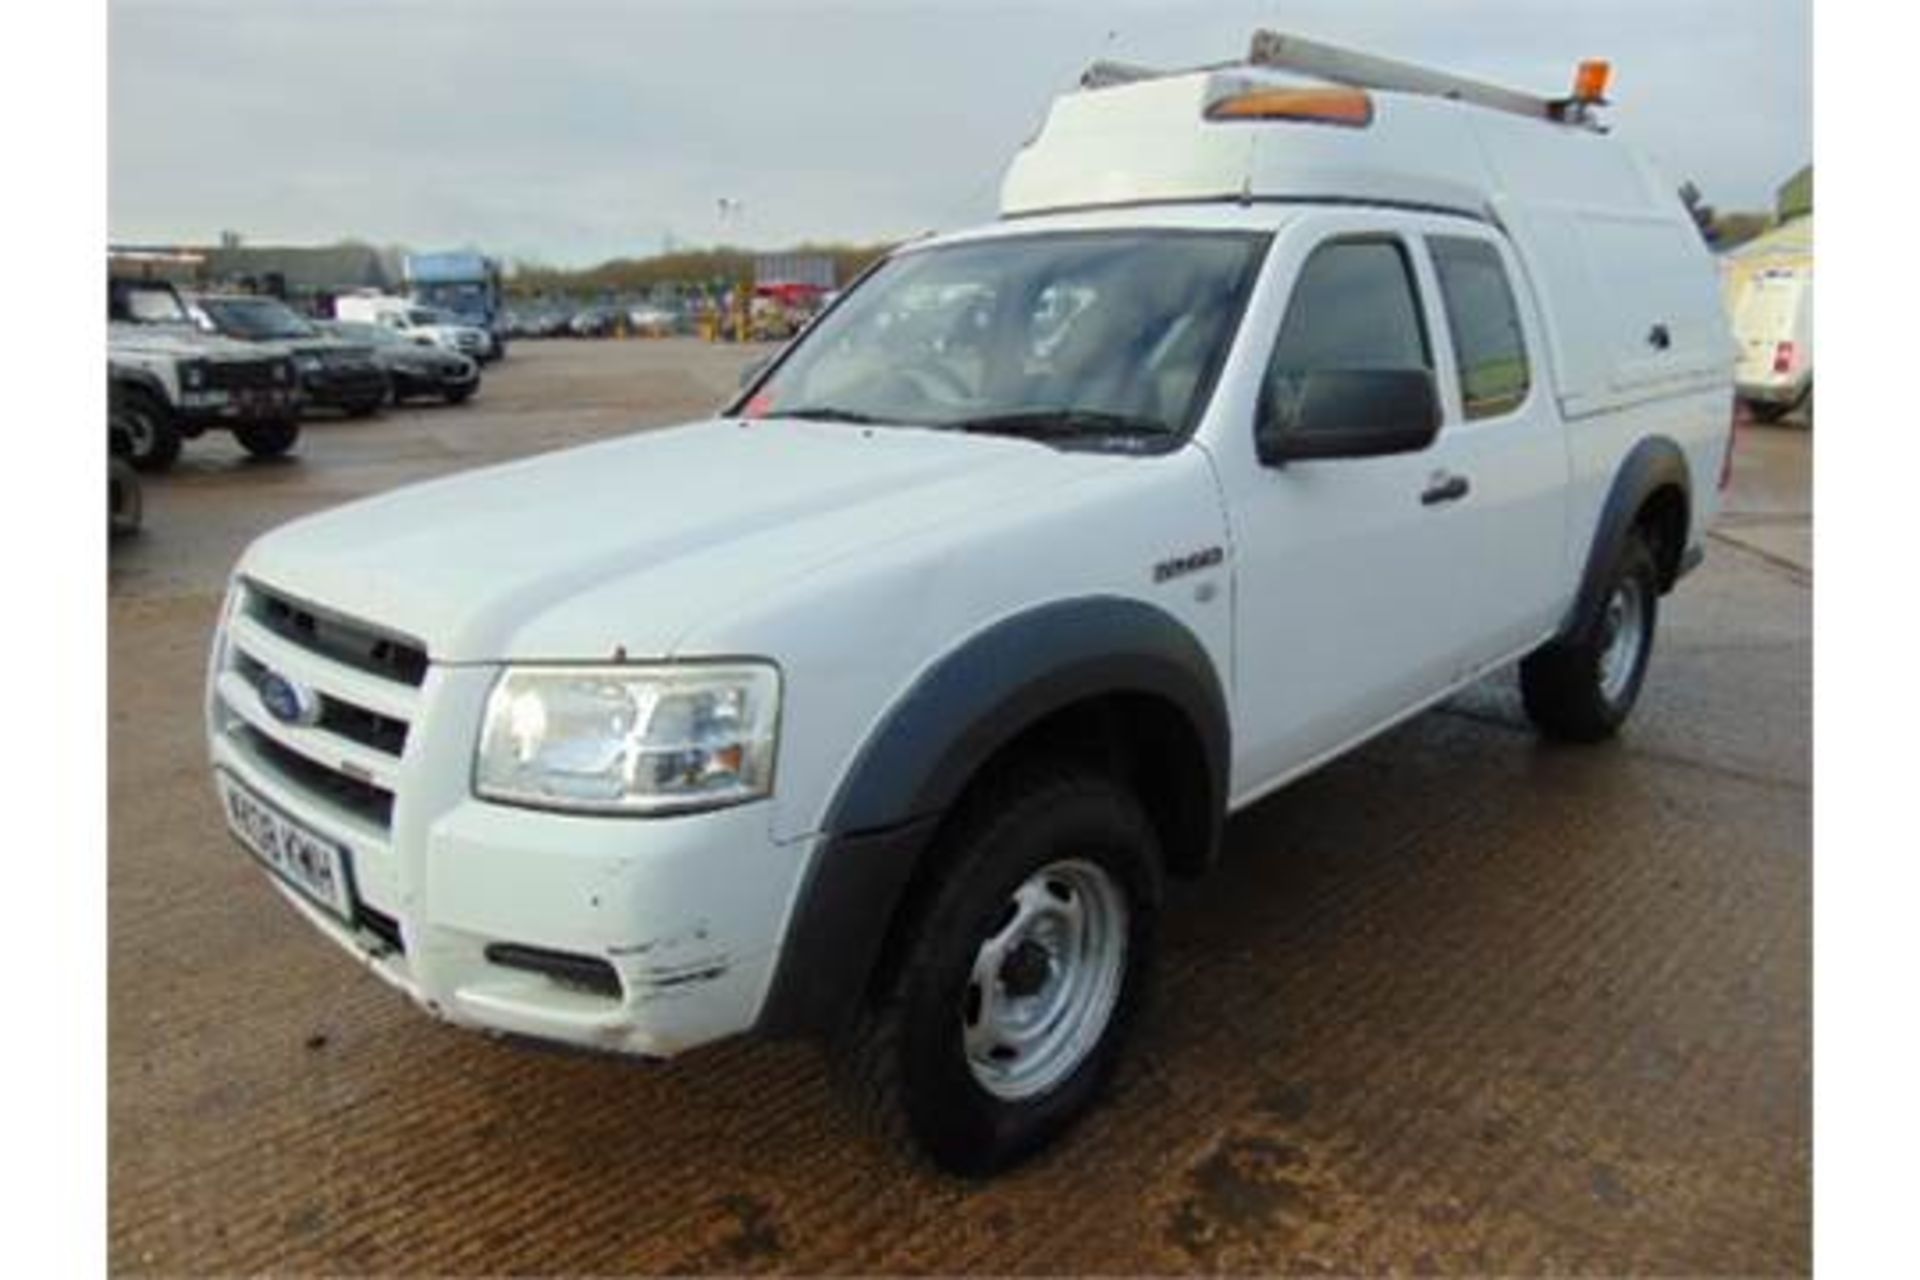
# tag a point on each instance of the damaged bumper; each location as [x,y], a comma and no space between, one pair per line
[639,936]
[644,936]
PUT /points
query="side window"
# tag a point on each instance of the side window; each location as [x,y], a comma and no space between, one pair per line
[1487,342]
[1353,307]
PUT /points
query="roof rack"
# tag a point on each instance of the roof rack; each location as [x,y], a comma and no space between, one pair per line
[1280,52]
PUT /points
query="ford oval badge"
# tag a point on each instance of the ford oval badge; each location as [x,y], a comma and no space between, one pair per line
[288,701]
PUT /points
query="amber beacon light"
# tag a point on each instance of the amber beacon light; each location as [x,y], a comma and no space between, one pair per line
[1322,106]
[1590,80]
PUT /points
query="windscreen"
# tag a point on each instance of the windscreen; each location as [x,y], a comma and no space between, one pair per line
[145,304]
[259,319]
[1095,333]
[462,299]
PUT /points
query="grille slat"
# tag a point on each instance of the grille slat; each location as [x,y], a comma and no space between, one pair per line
[338,639]
[339,715]
[364,800]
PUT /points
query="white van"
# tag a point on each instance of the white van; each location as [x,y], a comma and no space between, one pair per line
[421,323]
[1769,292]
[880,706]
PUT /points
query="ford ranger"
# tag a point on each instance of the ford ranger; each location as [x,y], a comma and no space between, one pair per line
[1282,401]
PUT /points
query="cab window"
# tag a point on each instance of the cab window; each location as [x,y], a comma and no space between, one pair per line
[1489,349]
[1354,306]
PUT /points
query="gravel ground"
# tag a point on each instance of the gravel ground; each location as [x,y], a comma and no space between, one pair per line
[1460,1002]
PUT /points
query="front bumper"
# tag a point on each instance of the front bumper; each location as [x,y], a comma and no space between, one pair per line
[418,381]
[204,409]
[682,913]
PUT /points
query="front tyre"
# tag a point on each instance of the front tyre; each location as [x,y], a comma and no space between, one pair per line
[1005,1017]
[146,426]
[1582,687]
[268,439]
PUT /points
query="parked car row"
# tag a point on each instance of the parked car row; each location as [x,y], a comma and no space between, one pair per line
[181,366]
[595,320]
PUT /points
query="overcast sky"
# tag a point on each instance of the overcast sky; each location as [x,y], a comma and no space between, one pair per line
[570,131]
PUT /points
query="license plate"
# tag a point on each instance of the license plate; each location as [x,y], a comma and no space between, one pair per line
[310,863]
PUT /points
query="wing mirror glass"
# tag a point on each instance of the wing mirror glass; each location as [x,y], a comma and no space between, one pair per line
[1346,413]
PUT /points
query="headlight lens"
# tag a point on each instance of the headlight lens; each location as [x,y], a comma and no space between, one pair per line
[629,739]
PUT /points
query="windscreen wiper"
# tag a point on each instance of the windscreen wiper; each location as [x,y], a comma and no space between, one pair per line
[1055,424]
[825,413]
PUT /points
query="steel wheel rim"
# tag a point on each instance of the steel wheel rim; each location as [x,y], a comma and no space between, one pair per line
[1622,637]
[1045,980]
[140,433]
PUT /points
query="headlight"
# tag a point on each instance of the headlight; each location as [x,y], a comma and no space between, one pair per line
[629,739]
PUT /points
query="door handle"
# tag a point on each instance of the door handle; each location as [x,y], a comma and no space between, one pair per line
[1444,487]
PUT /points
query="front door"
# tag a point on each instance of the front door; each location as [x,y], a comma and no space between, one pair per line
[1363,585]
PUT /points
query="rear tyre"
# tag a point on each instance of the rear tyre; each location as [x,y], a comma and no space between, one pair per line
[1003,1020]
[268,439]
[146,424]
[1581,688]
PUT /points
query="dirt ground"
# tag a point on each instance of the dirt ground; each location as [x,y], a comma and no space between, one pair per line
[1460,1002]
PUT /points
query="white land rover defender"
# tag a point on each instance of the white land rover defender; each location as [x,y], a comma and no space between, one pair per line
[1275,408]
[171,382]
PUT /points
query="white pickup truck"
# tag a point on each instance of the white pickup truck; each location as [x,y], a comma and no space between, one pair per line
[880,707]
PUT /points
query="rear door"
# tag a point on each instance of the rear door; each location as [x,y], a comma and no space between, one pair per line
[1504,436]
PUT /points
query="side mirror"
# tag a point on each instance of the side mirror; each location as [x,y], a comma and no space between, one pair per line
[1346,413]
[754,368]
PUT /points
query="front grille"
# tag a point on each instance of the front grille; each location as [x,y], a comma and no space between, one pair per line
[352,643]
[362,799]
[335,760]
[351,721]
[238,375]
